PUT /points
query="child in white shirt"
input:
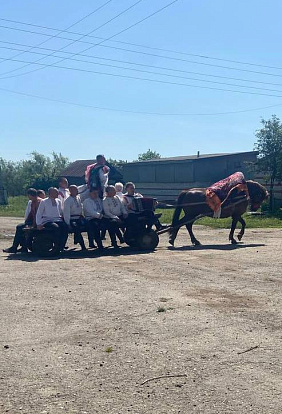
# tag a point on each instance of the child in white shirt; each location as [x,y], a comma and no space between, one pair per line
[119,190]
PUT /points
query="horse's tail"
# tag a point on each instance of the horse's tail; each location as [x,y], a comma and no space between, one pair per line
[177,211]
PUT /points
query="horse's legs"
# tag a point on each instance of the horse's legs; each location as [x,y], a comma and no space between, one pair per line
[193,238]
[172,235]
[241,234]
[232,230]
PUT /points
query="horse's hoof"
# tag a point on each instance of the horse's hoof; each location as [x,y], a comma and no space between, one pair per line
[233,241]
[196,243]
[171,242]
[239,237]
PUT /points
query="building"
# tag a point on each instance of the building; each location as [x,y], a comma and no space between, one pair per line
[76,170]
[164,178]
[277,188]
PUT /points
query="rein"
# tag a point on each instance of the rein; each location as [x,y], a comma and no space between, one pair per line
[160,205]
[199,215]
[199,203]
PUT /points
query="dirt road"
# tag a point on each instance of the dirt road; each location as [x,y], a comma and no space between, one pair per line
[81,334]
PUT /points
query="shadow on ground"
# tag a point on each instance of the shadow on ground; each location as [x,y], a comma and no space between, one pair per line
[78,254]
[125,251]
[216,247]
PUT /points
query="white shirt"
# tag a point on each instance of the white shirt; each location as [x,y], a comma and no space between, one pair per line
[93,208]
[83,192]
[48,212]
[113,207]
[27,210]
[72,208]
[63,195]
[120,195]
[104,178]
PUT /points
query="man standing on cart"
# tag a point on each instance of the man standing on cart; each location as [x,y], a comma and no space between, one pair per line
[97,175]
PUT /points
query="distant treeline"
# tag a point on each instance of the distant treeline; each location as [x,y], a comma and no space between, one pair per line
[42,172]
[38,171]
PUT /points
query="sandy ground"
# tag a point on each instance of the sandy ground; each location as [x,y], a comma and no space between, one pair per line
[59,317]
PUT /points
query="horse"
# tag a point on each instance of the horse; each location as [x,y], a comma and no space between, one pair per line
[194,204]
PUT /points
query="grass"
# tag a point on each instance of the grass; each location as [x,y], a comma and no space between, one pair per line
[15,208]
[266,221]
[17,205]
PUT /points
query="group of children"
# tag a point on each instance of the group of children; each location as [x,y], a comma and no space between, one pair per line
[64,212]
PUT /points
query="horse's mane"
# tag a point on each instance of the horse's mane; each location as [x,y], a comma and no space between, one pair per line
[256,190]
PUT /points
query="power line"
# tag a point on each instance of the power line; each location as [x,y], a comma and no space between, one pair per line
[146,71]
[137,64]
[149,54]
[134,112]
[146,46]
[64,30]
[153,80]
[74,41]
[114,35]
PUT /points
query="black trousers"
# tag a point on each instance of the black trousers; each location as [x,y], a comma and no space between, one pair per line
[19,238]
[94,228]
[114,228]
[77,227]
[61,231]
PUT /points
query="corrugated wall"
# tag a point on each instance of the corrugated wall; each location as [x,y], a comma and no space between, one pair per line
[277,191]
[166,179]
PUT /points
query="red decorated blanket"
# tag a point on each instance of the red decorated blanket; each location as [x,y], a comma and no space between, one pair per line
[220,191]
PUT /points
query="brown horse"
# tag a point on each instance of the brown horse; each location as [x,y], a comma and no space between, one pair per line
[193,202]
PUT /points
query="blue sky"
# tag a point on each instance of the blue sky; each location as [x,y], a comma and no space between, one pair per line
[236,31]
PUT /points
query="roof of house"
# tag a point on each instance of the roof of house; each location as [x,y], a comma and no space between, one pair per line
[194,157]
[77,169]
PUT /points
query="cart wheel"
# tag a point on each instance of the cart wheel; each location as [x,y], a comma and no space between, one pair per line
[131,242]
[130,238]
[148,240]
[45,245]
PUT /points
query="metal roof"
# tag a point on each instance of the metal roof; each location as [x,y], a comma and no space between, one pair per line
[194,157]
[77,168]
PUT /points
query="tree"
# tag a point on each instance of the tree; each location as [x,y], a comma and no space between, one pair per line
[11,177]
[149,155]
[116,163]
[39,171]
[269,145]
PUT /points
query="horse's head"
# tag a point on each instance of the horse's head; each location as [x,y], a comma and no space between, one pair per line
[257,194]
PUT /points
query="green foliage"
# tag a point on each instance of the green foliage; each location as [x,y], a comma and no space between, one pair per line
[269,145]
[15,208]
[39,171]
[149,155]
[116,163]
